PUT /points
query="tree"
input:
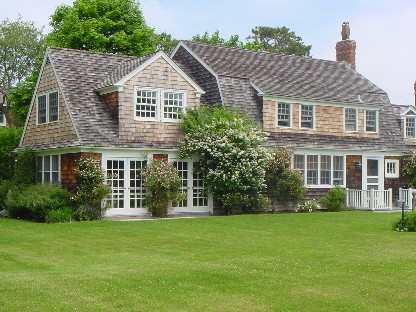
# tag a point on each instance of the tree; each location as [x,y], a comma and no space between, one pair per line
[234,41]
[279,40]
[165,42]
[231,157]
[113,26]
[20,44]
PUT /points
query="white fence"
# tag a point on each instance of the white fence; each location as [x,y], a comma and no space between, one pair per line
[406,195]
[370,199]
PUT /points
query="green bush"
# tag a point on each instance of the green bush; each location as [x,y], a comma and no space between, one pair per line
[5,187]
[289,186]
[34,201]
[10,139]
[308,206]
[25,170]
[334,200]
[62,215]
[257,203]
[409,222]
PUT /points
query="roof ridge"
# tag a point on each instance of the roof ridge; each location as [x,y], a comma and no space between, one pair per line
[93,52]
[265,52]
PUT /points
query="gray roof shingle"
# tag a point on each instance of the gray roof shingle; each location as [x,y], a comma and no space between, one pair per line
[293,77]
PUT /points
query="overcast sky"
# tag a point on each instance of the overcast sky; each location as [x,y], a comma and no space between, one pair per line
[383,29]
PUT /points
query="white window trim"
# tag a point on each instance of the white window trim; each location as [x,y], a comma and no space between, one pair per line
[396,166]
[50,169]
[319,185]
[47,107]
[290,114]
[159,104]
[365,120]
[356,119]
[405,127]
[313,117]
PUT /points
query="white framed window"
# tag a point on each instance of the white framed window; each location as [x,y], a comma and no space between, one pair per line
[48,168]
[307,116]
[410,127]
[283,114]
[371,121]
[350,119]
[48,107]
[391,168]
[320,170]
[158,105]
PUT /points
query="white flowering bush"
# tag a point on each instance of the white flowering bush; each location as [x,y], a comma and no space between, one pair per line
[231,156]
[163,186]
[308,206]
[91,191]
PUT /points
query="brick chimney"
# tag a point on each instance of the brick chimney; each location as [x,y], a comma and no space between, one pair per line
[346,48]
[414,88]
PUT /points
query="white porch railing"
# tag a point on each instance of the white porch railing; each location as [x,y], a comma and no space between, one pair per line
[370,199]
[407,196]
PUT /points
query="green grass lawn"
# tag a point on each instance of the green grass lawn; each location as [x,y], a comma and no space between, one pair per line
[347,261]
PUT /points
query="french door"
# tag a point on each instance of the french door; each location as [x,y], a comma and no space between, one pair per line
[125,177]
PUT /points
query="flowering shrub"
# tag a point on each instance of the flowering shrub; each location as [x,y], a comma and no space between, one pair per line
[229,147]
[284,183]
[163,186]
[91,191]
[308,206]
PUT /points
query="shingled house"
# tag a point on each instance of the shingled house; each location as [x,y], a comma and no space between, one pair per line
[124,112]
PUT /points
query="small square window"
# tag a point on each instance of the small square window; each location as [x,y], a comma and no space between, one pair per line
[283,114]
[391,169]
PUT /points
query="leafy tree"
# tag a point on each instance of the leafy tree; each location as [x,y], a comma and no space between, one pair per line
[113,26]
[10,139]
[165,42]
[234,41]
[232,159]
[20,44]
[279,40]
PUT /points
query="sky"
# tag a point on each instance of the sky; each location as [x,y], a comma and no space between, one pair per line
[384,30]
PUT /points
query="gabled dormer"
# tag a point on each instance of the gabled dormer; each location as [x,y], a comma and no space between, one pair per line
[408,118]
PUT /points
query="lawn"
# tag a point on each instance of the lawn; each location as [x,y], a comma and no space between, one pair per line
[346,261]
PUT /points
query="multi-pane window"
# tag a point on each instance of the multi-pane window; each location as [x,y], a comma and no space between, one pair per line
[283,114]
[325,169]
[410,126]
[312,169]
[307,116]
[338,170]
[146,104]
[158,105]
[391,168]
[48,107]
[199,190]
[137,189]
[47,169]
[350,119]
[371,121]
[173,103]
[182,168]
[320,169]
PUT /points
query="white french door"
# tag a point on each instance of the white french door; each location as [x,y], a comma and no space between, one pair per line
[125,177]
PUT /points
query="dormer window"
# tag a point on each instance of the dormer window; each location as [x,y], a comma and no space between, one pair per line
[350,118]
[371,124]
[410,125]
[48,107]
[283,114]
[158,105]
[307,113]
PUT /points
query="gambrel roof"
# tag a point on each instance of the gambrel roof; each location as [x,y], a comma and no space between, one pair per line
[239,78]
